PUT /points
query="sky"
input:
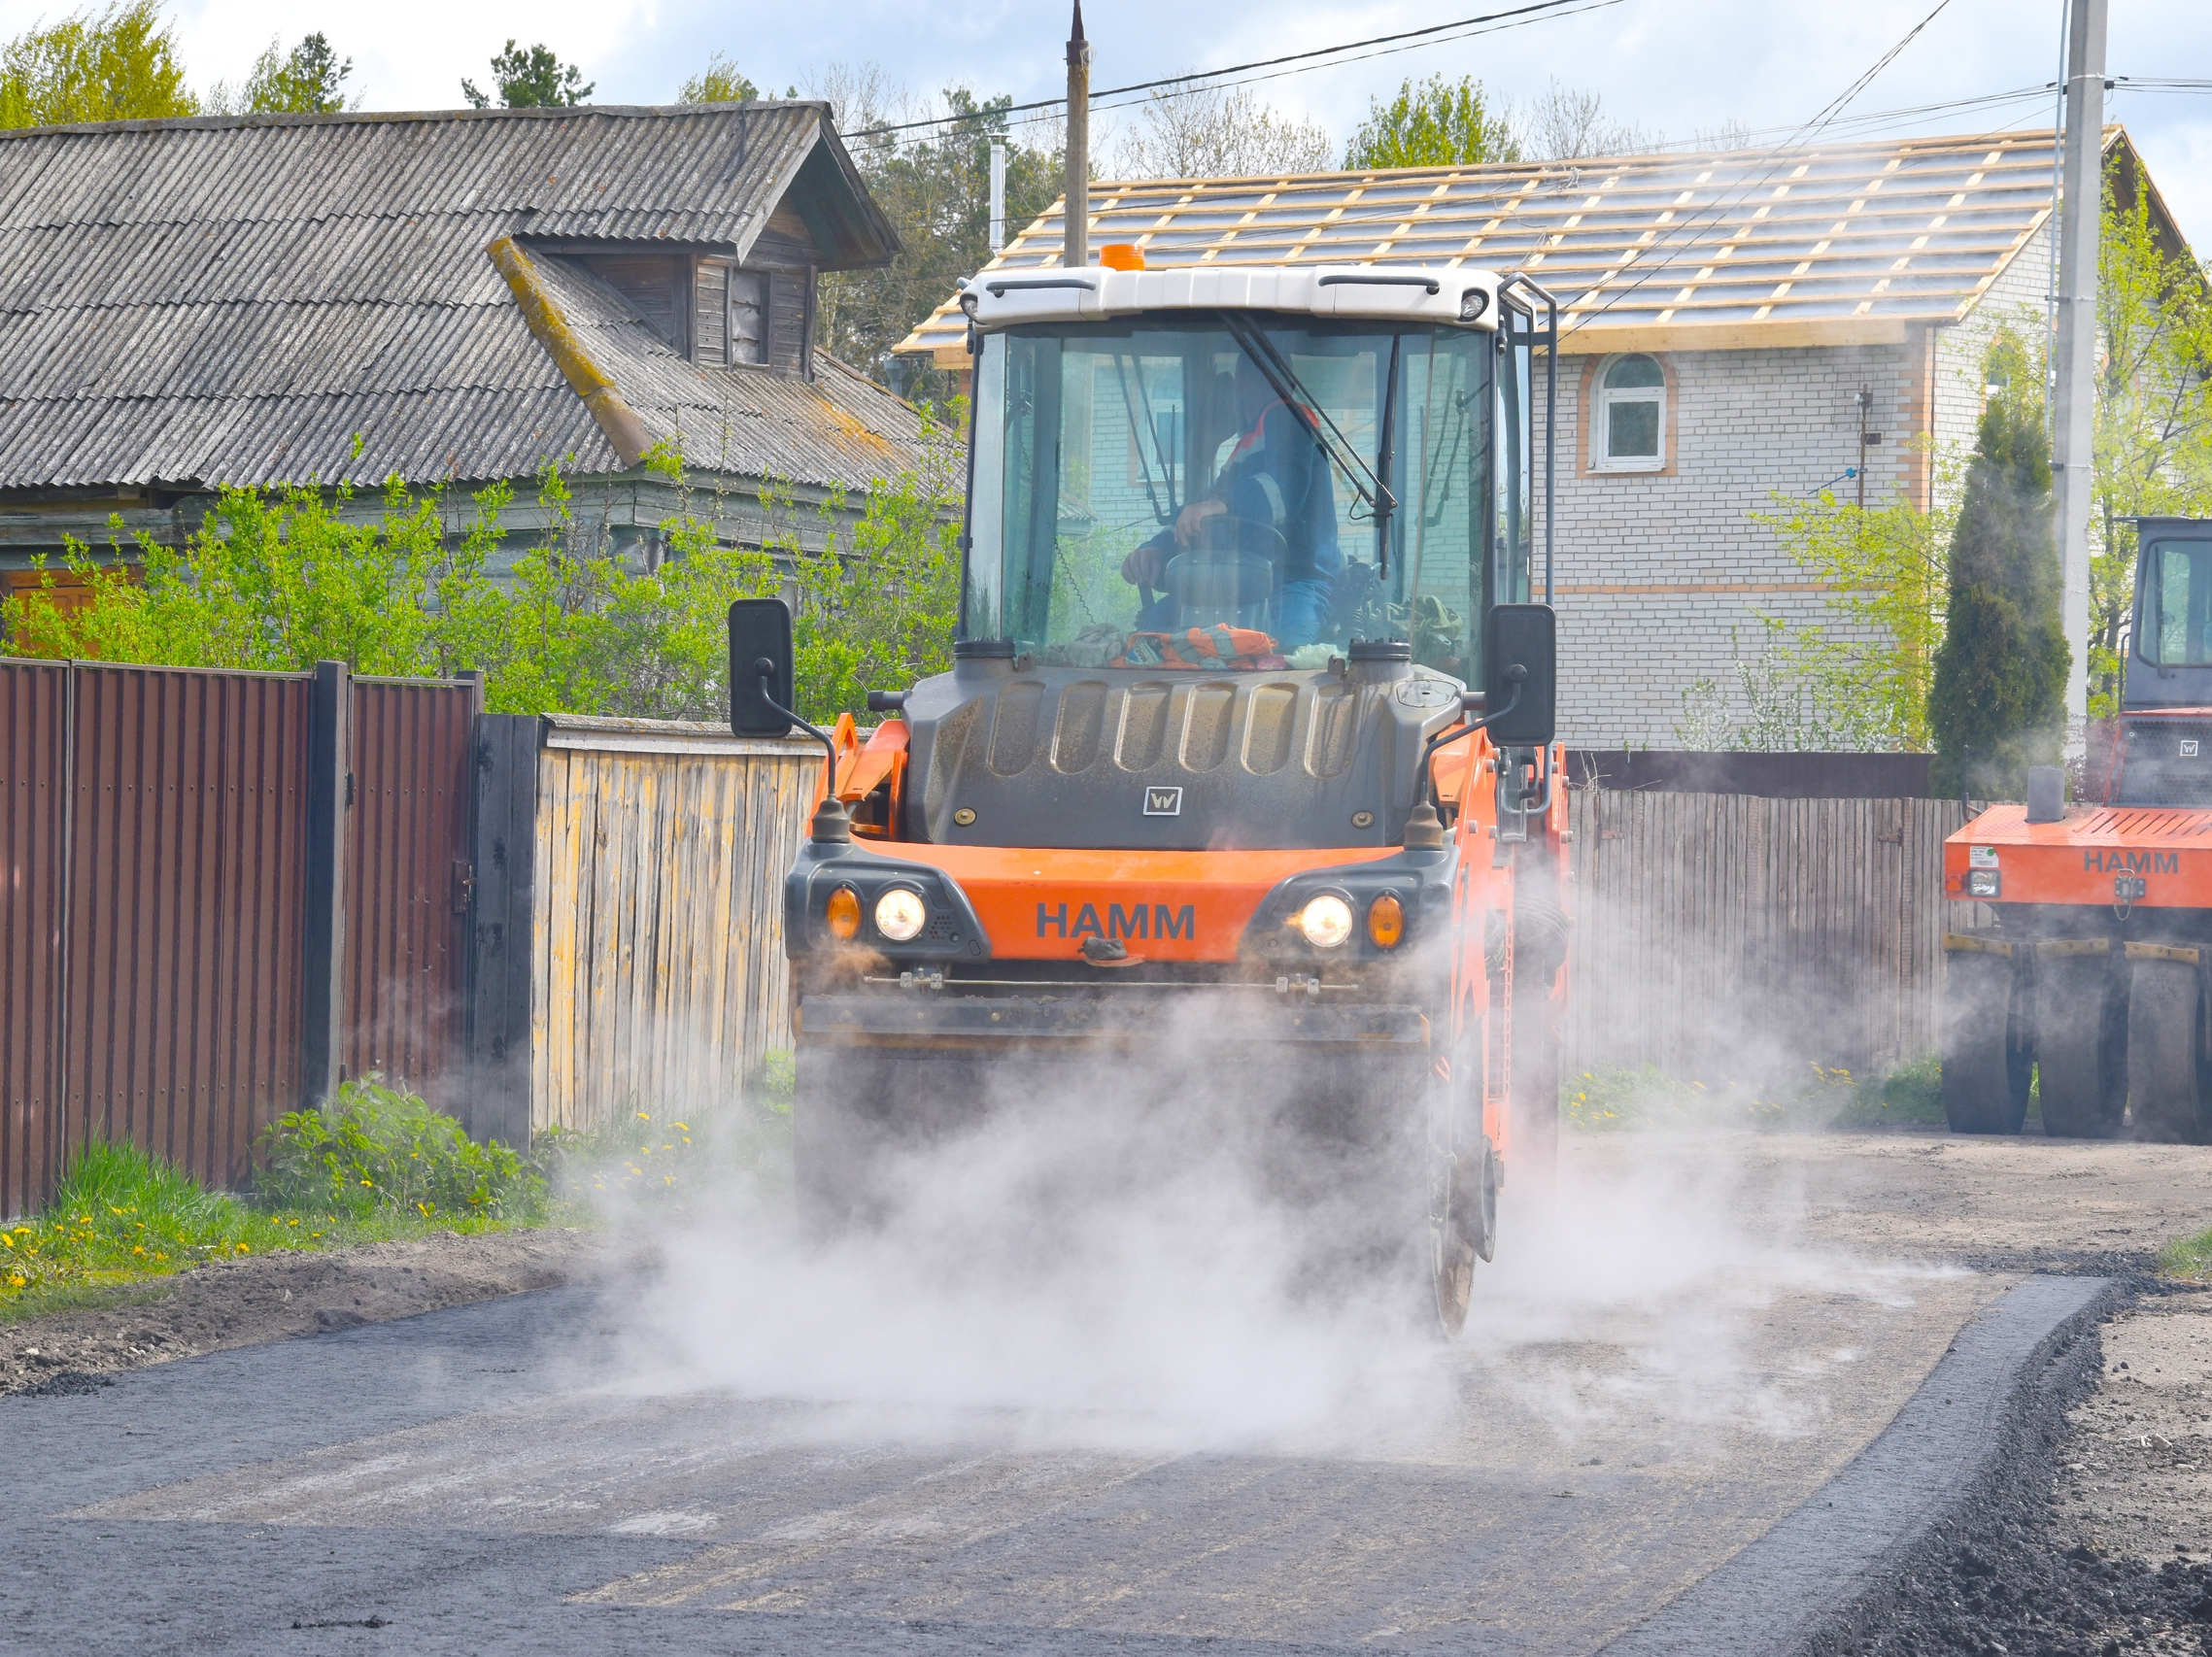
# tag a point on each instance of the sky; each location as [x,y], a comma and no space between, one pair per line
[1674,67]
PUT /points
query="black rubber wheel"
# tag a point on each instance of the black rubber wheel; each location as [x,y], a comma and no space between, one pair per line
[2165,1078]
[1985,1055]
[1463,1203]
[2081,1039]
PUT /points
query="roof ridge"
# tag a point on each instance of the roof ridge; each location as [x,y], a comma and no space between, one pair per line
[395,118]
[1585,164]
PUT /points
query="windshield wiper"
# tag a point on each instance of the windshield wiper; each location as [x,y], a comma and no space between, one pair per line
[1386,459]
[1283,379]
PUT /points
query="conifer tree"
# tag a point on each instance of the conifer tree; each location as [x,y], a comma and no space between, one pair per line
[1998,701]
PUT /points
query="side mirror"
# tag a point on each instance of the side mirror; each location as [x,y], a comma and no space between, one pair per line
[759,630]
[1521,655]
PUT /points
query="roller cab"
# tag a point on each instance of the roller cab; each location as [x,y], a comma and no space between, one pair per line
[1245,767]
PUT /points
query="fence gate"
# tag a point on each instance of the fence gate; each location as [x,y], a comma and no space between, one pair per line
[408,881]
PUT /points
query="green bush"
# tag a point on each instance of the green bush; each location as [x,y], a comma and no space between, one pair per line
[373,1148]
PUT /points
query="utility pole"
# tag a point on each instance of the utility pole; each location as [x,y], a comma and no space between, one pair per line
[2073,426]
[997,195]
[1076,211]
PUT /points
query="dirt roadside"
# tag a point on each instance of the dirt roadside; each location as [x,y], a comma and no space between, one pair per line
[2102,1545]
[244,1303]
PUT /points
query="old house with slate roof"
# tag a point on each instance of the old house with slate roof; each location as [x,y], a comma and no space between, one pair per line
[445,299]
[1738,327]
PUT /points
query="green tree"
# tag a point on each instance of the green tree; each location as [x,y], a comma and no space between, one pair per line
[937,193]
[1433,124]
[1996,704]
[308,80]
[719,83]
[531,79]
[118,64]
[1885,566]
[2154,409]
[279,580]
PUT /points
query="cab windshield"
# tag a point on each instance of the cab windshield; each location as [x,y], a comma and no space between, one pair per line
[1246,489]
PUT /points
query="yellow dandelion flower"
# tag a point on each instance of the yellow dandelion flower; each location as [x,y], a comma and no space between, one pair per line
[642,1117]
[683,1127]
[140,1249]
[243,1249]
[17,1280]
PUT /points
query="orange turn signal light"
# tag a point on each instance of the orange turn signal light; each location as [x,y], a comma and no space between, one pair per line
[1122,255]
[843,914]
[1385,922]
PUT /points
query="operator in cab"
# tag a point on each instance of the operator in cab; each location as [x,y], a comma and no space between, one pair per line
[1271,496]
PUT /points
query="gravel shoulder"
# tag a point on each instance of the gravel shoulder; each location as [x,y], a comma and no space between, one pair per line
[274,1297]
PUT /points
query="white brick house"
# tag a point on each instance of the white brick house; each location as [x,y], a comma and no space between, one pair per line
[1762,289]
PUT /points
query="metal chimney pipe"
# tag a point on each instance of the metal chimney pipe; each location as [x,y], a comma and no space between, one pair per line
[1075,247]
[997,195]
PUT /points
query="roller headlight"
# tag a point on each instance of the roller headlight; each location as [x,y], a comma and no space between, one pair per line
[901,915]
[1982,883]
[1326,921]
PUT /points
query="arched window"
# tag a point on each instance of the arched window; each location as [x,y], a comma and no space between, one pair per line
[1631,417]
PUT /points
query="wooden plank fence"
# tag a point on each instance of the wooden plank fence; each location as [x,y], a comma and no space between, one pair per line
[1730,937]
[1718,936]
[657,971]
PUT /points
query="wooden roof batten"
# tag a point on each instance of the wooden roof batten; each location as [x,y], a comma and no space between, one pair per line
[1724,250]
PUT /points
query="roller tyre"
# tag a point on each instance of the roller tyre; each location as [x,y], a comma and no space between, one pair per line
[2081,1047]
[1986,1058]
[2166,1073]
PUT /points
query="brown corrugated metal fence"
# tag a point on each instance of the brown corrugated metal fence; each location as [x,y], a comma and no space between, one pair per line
[1727,936]
[407,880]
[658,978]
[154,963]
[33,863]
[186,891]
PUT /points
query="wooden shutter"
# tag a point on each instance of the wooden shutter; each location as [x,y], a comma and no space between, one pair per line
[749,317]
[710,328]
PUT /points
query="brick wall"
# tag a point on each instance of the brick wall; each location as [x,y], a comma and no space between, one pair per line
[1661,578]
[1657,571]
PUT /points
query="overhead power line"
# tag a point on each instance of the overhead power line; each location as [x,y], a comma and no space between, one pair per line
[1374,46]
[1781,156]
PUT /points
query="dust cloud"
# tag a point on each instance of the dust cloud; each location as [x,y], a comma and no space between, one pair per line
[1121,1268]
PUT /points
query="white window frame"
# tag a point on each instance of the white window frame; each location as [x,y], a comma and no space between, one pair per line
[1602,400]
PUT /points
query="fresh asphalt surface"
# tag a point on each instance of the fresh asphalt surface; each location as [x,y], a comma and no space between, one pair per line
[446,1484]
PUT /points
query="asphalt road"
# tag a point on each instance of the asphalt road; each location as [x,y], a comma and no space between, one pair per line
[1684,1355]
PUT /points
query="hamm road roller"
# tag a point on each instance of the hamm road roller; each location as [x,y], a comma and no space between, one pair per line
[2095,980]
[1243,785]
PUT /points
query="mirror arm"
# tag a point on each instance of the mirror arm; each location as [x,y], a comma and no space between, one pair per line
[1426,782]
[831,816]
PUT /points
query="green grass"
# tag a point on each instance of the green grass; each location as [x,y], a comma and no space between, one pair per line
[372,1166]
[1609,1099]
[2188,1257]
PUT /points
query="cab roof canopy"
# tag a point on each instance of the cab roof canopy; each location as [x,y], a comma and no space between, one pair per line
[1833,245]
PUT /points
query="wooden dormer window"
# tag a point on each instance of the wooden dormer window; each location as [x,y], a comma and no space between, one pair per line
[749,319]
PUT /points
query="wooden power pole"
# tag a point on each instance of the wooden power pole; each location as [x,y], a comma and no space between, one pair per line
[2074,385]
[1075,221]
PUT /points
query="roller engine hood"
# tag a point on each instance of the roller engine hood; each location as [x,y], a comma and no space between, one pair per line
[1104,759]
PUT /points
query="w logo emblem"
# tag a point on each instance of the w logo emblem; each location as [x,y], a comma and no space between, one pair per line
[1162,803]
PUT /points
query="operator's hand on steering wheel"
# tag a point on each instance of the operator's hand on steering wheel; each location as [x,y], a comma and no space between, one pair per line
[1142,566]
[1192,519]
